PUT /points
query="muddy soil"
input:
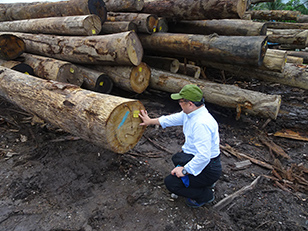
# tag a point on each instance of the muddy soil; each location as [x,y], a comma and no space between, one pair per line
[53,181]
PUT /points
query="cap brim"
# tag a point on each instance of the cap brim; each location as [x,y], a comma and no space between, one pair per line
[176,96]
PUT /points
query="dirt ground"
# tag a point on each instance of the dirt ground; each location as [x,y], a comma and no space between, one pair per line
[51,180]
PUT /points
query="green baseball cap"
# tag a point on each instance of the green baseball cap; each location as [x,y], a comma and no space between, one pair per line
[190,92]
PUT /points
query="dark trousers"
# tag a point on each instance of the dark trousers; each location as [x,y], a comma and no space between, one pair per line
[199,186]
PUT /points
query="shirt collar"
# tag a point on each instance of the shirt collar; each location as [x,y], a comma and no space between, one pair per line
[195,112]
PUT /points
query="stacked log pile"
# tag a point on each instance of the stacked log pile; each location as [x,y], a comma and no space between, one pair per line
[133,45]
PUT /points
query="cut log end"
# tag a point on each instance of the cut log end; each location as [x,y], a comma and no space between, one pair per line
[92,25]
[123,126]
[140,77]
[69,73]
[11,46]
[174,66]
[134,49]
[152,22]
[162,25]
[103,84]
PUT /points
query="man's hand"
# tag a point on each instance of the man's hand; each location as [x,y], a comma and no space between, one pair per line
[177,171]
[146,119]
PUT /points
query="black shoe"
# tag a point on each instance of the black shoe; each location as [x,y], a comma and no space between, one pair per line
[194,204]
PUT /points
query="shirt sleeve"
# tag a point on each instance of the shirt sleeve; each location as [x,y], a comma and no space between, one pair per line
[171,120]
[202,143]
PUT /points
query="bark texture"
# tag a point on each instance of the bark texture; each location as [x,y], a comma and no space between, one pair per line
[164,63]
[114,49]
[18,11]
[70,25]
[124,5]
[118,27]
[224,95]
[231,27]
[274,14]
[108,121]
[241,50]
[195,9]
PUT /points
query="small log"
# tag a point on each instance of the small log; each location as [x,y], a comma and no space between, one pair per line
[118,27]
[293,75]
[133,79]
[107,121]
[274,147]
[164,63]
[301,54]
[242,164]
[227,200]
[225,49]
[286,25]
[298,38]
[189,70]
[195,9]
[274,60]
[54,9]
[70,25]
[162,25]
[231,27]
[95,80]
[17,66]
[114,49]
[231,96]
[11,46]
[124,5]
[146,23]
[295,60]
[302,18]
[278,15]
[53,69]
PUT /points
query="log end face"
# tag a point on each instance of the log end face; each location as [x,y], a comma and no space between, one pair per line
[134,49]
[140,77]
[123,126]
[11,46]
[103,84]
[92,25]
[70,73]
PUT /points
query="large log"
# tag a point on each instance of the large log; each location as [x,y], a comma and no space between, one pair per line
[196,9]
[298,37]
[293,75]
[17,66]
[231,96]
[108,121]
[70,25]
[278,15]
[11,46]
[114,49]
[95,80]
[53,9]
[146,23]
[241,50]
[231,27]
[133,79]
[53,69]
[124,5]
[118,27]
[164,63]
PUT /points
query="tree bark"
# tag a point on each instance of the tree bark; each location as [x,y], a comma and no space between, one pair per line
[95,80]
[301,54]
[293,75]
[70,25]
[146,23]
[53,9]
[118,27]
[17,66]
[107,121]
[231,27]
[133,79]
[124,5]
[53,69]
[274,14]
[302,18]
[11,46]
[231,96]
[286,25]
[114,49]
[238,50]
[189,70]
[196,9]
[164,63]
[298,38]
[295,60]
